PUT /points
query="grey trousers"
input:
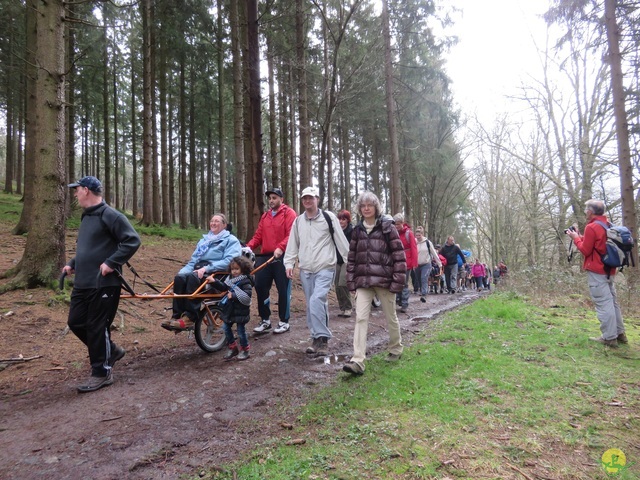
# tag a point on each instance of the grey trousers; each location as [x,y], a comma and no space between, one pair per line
[603,294]
[316,288]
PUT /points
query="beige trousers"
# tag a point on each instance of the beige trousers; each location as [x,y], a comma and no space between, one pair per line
[363,299]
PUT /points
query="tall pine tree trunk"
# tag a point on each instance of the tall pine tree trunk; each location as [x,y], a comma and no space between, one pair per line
[155,191]
[44,250]
[222,162]
[164,153]
[106,181]
[31,70]
[193,161]
[134,144]
[273,128]
[238,118]
[622,126]
[396,198]
[147,124]
[303,109]
[184,197]
[284,135]
[118,195]
[255,177]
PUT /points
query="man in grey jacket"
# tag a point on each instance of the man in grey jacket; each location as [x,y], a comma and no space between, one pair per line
[106,240]
[315,238]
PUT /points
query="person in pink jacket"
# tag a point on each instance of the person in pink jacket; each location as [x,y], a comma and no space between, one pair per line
[408,240]
[478,273]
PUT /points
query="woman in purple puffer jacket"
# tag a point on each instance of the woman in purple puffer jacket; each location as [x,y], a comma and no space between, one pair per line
[376,266]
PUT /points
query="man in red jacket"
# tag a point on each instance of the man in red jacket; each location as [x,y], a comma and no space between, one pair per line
[272,236]
[601,280]
[408,240]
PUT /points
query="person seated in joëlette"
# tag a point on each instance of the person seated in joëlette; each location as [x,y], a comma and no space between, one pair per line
[213,253]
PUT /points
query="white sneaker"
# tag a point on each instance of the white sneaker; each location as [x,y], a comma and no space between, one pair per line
[282,327]
[265,325]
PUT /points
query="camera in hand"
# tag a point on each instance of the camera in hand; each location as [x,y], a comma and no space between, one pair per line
[569,229]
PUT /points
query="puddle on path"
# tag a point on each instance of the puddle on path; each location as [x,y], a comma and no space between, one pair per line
[333,359]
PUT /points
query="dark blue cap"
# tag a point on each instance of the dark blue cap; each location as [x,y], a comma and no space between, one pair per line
[277,191]
[92,183]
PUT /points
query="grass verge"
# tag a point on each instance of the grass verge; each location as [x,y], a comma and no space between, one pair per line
[498,389]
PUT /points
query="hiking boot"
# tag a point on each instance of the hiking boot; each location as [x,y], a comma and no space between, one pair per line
[622,338]
[347,313]
[167,323]
[353,368]
[282,327]
[244,353]
[393,357]
[376,302]
[95,383]
[323,347]
[182,323]
[423,299]
[232,352]
[313,348]
[608,343]
[116,354]
[265,326]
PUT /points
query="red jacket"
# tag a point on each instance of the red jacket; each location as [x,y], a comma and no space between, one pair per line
[408,240]
[592,244]
[273,230]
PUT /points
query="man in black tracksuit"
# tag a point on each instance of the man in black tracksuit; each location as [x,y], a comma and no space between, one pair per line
[451,251]
[106,240]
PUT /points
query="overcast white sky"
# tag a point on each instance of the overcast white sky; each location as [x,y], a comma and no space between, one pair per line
[496,51]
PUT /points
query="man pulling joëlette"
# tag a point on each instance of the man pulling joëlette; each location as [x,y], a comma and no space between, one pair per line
[106,240]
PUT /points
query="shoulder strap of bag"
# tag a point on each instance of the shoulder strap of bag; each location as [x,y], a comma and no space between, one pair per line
[331,230]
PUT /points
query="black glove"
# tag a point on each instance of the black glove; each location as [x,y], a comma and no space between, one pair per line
[219,286]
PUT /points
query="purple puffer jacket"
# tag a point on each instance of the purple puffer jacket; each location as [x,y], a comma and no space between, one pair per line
[376,259]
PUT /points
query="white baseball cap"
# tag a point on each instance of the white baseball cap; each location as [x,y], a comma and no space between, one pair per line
[310,191]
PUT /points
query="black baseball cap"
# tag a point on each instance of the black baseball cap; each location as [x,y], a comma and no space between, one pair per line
[90,182]
[277,191]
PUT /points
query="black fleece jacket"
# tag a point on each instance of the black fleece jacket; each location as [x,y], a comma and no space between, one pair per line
[451,253]
[105,236]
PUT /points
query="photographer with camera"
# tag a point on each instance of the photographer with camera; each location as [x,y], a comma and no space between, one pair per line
[601,281]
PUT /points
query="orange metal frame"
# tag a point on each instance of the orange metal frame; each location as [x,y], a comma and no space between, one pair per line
[191,296]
